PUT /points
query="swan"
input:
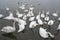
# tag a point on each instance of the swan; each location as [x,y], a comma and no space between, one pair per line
[31,18]
[21,27]
[39,19]
[33,24]
[22,7]
[44,34]
[10,17]
[7,8]
[18,14]
[9,29]
[42,15]
[55,14]
[46,18]
[47,13]
[1,15]
[51,22]
[38,16]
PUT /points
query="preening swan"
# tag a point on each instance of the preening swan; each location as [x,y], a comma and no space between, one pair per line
[9,29]
[10,17]
[44,34]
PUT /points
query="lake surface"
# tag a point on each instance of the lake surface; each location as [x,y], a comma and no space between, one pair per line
[51,5]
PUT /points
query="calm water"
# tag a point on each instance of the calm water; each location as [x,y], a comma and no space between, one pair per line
[51,5]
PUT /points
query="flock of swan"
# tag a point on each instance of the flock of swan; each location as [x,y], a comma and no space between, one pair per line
[30,16]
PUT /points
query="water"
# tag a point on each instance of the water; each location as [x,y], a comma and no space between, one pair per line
[51,5]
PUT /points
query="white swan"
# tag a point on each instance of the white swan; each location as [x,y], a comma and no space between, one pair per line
[51,22]
[44,34]
[10,17]
[42,15]
[46,18]
[33,24]
[1,15]
[38,16]
[31,18]
[55,14]
[9,29]
[18,14]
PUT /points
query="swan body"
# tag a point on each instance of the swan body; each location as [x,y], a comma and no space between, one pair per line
[10,17]
[33,24]
[55,14]
[51,22]
[31,18]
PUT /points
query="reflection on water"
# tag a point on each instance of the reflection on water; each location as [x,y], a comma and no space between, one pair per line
[10,35]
